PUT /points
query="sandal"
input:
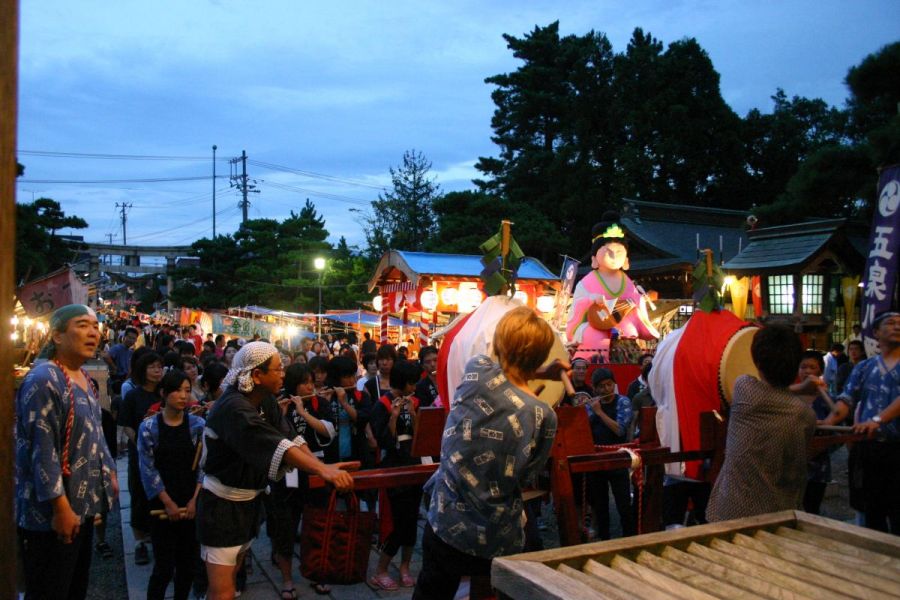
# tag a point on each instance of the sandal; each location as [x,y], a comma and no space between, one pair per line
[320,588]
[407,580]
[383,582]
[289,594]
[103,549]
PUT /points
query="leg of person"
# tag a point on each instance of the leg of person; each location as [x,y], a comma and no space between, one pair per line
[381,579]
[140,515]
[51,567]
[598,492]
[84,551]
[674,503]
[100,544]
[185,553]
[165,540]
[812,497]
[881,463]
[442,568]
[221,570]
[533,540]
[407,531]
[620,483]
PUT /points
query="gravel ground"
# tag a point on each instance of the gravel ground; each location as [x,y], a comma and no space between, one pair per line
[108,575]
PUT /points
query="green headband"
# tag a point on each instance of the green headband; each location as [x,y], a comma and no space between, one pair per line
[63,315]
[59,321]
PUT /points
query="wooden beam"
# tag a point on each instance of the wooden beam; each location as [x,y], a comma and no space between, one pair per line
[9,60]
[371,479]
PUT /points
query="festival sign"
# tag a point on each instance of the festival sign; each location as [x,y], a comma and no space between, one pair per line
[240,327]
[44,295]
[882,262]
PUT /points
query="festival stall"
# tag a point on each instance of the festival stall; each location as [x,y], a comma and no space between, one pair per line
[437,287]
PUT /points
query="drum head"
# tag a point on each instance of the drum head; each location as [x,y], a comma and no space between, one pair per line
[736,361]
[553,391]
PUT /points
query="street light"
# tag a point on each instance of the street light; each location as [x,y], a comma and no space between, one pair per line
[319,264]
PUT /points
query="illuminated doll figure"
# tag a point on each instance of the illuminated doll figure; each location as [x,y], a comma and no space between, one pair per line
[606,302]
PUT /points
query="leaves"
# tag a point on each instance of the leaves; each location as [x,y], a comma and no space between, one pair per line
[402,218]
[38,249]
[270,263]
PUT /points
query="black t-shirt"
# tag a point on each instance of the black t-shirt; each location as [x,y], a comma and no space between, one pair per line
[318,408]
[397,448]
[426,392]
[369,347]
[132,411]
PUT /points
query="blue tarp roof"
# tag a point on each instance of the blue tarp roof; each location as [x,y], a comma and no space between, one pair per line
[467,265]
[434,265]
[369,319]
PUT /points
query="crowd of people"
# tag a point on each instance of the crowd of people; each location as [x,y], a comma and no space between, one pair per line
[222,434]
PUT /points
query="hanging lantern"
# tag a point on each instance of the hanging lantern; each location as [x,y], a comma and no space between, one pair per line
[449,296]
[546,304]
[470,299]
[376,303]
[429,300]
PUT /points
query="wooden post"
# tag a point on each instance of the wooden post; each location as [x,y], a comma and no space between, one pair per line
[9,59]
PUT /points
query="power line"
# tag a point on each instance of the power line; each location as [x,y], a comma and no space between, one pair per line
[315,175]
[326,195]
[102,181]
[106,156]
[183,225]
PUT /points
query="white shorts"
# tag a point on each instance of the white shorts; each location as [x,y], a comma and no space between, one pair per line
[223,556]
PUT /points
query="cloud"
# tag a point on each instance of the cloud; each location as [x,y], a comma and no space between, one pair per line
[285,99]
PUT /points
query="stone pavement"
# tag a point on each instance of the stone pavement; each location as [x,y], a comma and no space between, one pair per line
[265,581]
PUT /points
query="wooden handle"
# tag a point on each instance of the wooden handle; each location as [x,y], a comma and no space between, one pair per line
[709,262]
[504,239]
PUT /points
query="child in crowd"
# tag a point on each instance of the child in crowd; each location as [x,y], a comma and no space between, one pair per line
[393,423]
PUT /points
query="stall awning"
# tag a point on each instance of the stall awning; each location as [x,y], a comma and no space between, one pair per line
[368,319]
[416,264]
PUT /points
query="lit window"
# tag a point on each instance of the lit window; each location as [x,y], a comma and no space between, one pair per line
[781,294]
[812,294]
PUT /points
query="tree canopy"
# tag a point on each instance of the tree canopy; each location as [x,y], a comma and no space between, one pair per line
[403,216]
[271,263]
[579,128]
[38,249]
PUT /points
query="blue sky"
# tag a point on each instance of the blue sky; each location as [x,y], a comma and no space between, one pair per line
[341,90]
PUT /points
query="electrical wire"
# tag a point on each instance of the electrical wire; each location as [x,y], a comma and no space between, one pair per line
[103,181]
[314,175]
[183,225]
[106,156]
[326,195]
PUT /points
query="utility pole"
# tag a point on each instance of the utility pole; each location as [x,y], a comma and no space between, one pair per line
[241,182]
[124,206]
[109,256]
[214,191]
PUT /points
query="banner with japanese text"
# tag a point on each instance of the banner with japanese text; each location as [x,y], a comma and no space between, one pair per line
[42,296]
[883,261]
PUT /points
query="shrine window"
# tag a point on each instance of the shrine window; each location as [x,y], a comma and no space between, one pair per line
[781,294]
[812,287]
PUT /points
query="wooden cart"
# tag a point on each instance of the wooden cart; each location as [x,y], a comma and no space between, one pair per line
[788,554]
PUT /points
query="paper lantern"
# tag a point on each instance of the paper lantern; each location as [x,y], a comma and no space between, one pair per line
[521,297]
[376,303]
[546,304]
[449,296]
[470,299]
[429,300]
